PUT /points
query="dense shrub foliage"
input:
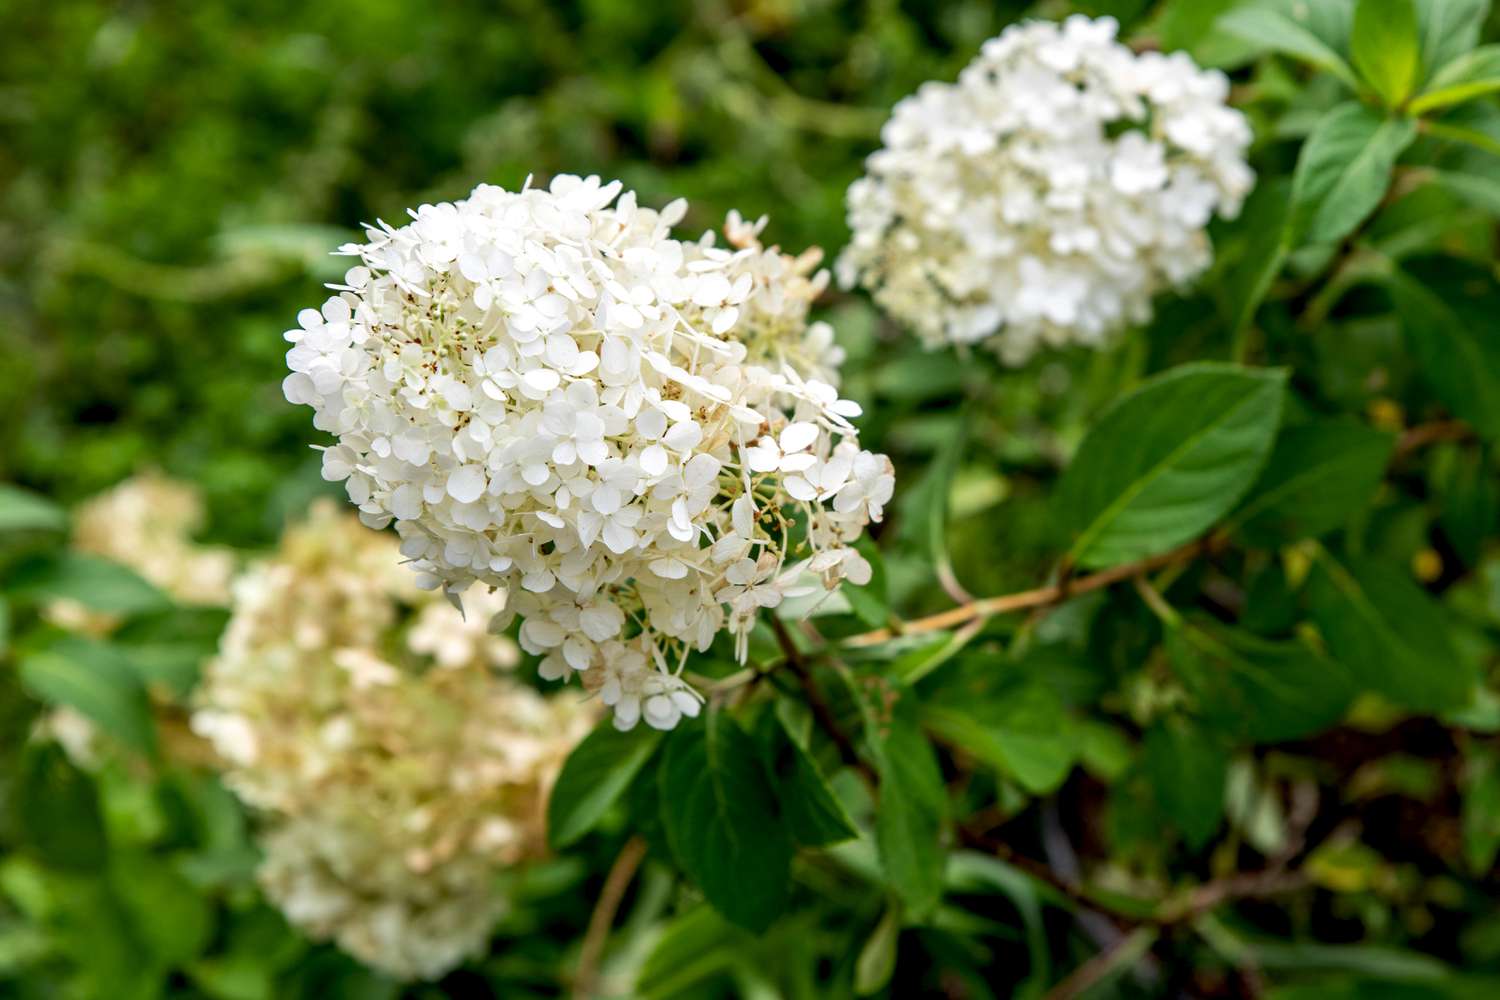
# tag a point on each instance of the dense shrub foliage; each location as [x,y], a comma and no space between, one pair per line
[1091,589]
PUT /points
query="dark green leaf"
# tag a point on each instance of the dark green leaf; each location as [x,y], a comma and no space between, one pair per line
[1020,729]
[722,821]
[1258,255]
[1169,460]
[1385,47]
[23,510]
[1469,502]
[57,808]
[693,947]
[1344,170]
[1392,636]
[1319,474]
[1187,769]
[1481,809]
[93,582]
[813,814]
[1459,358]
[173,918]
[97,680]
[593,778]
[1264,691]
[913,803]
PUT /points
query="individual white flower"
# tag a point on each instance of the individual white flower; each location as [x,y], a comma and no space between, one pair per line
[395,773]
[552,396]
[1049,194]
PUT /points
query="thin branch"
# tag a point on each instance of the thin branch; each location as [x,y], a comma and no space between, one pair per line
[1167,912]
[1123,953]
[1245,885]
[1044,597]
[1437,431]
[1039,597]
[603,917]
[817,703]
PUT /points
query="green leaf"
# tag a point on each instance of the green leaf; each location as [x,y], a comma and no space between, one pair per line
[57,808]
[1169,460]
[1392,636]
[1020,730]
[593,778]
[1264,691]
[1187,769]
[168,911]
[1261,251]
[1480,190]
[1459,357]
[1471,75]
[1272,30]
[5,626]
[1449,28]
[1344,170]
[1465,131]
[1468,500]
[813,814]
[692,948]
[93,582]
[23,510]
[1384,45]
[913,802]
[1318,476]
[96,680]
[877,959]
[723,823]
[1481,809]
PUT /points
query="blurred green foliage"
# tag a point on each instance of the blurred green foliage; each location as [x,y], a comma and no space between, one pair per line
[171,179]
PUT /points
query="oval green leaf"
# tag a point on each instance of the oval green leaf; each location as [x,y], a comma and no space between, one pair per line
[1319,474]
[1169,460]
[593,778]
[1344,170]
[723,823]
[1392,636]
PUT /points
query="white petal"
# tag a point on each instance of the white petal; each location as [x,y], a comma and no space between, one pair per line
[466,483]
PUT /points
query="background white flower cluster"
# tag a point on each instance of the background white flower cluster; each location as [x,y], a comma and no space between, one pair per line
[1049,194]
[396,772]
[637,436]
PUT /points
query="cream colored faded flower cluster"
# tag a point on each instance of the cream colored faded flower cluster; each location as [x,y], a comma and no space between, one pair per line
[1049,194]
[396,773]
[636,436]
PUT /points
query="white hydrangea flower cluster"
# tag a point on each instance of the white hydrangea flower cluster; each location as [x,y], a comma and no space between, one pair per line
[636,436]
[396,773]
[1049,194]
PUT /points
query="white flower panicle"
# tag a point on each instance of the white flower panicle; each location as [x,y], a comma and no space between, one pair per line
[396,774]
[636,436]
[1049,194]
